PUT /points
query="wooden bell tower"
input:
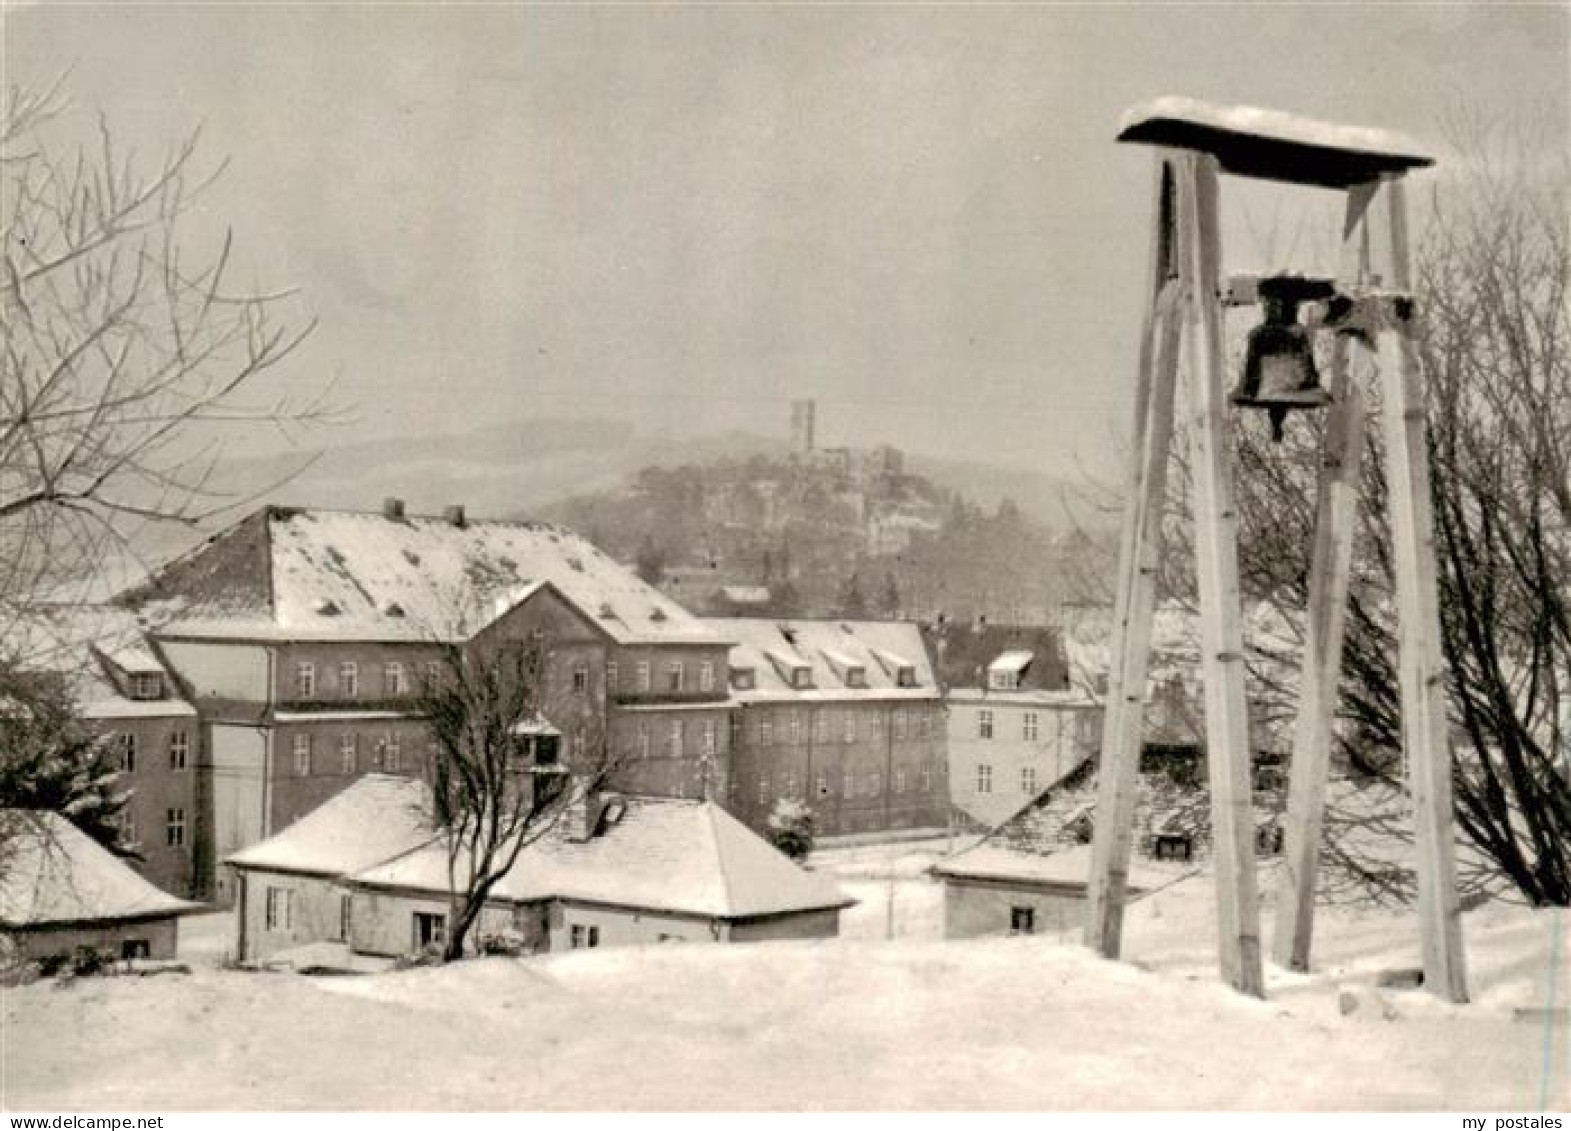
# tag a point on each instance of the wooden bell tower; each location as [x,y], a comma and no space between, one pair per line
[1373,319]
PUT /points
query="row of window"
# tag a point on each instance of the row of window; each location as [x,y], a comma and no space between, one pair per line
[674,673]
[174,827]
[984,778]
[123,748]
[395,678]
[871,785]
[1030,726]
[903,724]
[675,738]
[386,754]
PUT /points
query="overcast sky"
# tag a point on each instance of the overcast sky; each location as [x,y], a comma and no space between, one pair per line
[689,215]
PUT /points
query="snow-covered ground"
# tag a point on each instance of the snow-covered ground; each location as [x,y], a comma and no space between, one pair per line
[856,1023]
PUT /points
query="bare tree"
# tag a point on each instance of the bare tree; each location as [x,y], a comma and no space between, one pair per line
[126,347]
[491,795]
[1492,286]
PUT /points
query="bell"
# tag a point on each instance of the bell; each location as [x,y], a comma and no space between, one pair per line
[1279,366]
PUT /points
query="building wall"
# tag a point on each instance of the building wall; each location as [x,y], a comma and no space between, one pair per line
[627,927]
[221,673]
[163,804]
[315,912]
[301,783]
[860,765]
[1018,768]
[161,936]
[238,764]
[672,752]
[801,925]
[973,908]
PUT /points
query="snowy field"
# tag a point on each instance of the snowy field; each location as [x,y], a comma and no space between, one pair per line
[856,1023]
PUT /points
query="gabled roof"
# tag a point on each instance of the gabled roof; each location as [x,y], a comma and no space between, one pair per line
[319,574]
[830,650]
[378,816]
[56,874]
[963,654]
[81,645]
[663,854]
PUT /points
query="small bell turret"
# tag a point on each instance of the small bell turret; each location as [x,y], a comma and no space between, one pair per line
[1279,365]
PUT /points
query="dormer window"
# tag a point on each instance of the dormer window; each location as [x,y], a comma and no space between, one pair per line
[1004,673]
[147,685]
[801,677]
[905,676]
[742,679]
[856,676]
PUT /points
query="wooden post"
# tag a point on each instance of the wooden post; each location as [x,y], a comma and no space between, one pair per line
[1216,543]
[1139,551]
[1331,565]
[1425,736]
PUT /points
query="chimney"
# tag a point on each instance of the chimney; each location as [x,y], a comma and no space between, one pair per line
[392,507]
[454,515]
[583,810]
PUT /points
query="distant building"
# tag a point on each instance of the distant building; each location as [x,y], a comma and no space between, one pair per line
[843,715]
[104,662]
[802,414]
[614,870]
[1015,723]
[61,891]
[306,638]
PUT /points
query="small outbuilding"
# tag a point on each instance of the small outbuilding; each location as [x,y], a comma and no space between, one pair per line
[61,891]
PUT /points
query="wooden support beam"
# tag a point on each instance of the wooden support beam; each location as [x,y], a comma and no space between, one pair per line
[1134,598]
[1216,542]
[1330,570]
[1425,734]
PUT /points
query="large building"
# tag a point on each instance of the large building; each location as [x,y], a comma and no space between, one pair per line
[1016,724]
[101,660]
[842,715]
[305,638]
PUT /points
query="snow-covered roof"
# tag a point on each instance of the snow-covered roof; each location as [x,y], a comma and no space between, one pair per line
[319,574]
[378,816]
[831,650]
[1012,662]
[73,642]
[664,854]
[1071,867]
[55,873]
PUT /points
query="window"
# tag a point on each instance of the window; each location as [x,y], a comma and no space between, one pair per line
[984,778]
[305,679]
[125,752]
[821,726]
[643,675]
[1003,679]
[174,828]
[673,675]
[925,777]
[850,726]
[581,680]
[610,676]
[925,718]
[875,726]
[430,929]
[1028,728]
[345,913]
[796,728]
[433,674]
[900,724]
[643,740]
[1028,779]
[583,937]
[984,723]
[848,783]
[790,783]
[763,789]
[346,752]
[875,784]
[900,779]
[709,738]
[822,784]
[349,679]
[676,738]
[278,909]
[393,678]
[179,749]
[706,676]
[1022,920]
[391,754]
[147,685]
